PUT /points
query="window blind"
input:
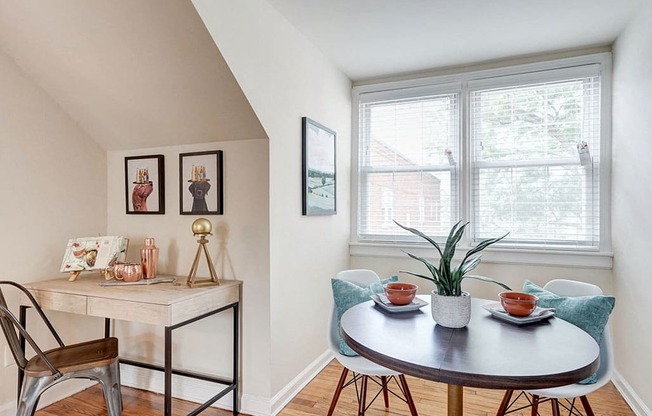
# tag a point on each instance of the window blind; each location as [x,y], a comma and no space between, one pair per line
[408,164]
[534,155]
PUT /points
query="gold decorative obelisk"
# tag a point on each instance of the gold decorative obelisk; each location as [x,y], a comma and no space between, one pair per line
[202,227]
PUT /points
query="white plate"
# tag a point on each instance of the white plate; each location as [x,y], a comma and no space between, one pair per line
[382,301]
[539,314]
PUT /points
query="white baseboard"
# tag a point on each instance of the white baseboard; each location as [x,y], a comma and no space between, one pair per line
[199,391]
[8,409]
[283,397]
[633,400]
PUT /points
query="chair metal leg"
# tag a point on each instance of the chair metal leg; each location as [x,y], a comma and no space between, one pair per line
[587,406]
[30,393]
[338,390]
[554,403]
[383,380]
[362,402]
[110,381]
[408,395]
[504,404]
[535,405]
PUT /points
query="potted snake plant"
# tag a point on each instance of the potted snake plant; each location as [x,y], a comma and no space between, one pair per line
[451,307]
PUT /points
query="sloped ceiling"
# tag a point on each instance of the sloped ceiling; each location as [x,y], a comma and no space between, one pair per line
[132,74]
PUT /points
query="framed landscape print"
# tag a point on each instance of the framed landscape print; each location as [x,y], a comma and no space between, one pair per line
[145,184]
[319,181]
[201,183]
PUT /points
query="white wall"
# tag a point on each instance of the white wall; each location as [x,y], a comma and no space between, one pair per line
[53,187]
[285,77]
[632,201]
[206,345]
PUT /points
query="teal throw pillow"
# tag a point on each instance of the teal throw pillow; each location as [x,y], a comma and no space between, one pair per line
[589,313]
[347,295]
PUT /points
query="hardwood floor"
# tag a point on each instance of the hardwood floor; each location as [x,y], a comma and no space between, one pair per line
[314,399]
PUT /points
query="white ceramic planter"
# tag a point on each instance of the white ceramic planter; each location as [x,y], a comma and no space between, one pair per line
[451,311]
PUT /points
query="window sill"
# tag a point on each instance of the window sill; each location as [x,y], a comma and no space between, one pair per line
[588,260]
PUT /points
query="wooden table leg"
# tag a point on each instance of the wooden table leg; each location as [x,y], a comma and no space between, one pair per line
[455,400]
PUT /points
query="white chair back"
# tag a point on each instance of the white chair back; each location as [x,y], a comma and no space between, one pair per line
[565,287]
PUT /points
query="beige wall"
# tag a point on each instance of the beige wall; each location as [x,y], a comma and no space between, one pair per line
[205,345]
[53,187]
[285,77]
[632,200]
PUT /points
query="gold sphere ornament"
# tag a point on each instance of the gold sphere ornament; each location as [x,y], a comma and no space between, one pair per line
[201,226]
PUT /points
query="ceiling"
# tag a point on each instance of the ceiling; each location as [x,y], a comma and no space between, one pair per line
[131,73]
[146,73]
[370,39]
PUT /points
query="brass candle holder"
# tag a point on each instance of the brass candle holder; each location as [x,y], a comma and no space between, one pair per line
[202,227]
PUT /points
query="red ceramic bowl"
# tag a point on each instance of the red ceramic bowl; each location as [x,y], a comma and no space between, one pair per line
[518,303]
[400,293]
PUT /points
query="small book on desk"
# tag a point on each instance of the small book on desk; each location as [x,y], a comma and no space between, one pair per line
[140,282]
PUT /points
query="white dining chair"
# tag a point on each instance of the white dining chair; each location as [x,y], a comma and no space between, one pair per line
[568,394]
[363,370]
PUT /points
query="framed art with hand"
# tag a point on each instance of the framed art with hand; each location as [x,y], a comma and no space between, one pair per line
[145,184]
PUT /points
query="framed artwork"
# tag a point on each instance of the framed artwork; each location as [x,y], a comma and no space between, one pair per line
[201,189]
[319,182]
[145,184]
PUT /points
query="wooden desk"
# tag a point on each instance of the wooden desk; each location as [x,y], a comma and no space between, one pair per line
[164,304]
[488,353]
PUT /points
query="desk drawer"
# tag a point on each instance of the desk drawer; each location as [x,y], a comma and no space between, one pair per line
[216,298]
[64,302]
[147,313]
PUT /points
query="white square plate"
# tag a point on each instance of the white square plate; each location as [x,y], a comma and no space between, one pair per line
[539,314]
[382,301]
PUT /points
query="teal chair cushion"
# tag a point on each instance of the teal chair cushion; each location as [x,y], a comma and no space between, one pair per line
[347,295]
[590,313]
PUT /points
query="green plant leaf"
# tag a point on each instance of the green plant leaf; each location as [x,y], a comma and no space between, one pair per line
[419,275]
[431,268]
[482,245]
[454,237]
[468,265]
[420,234]
[488,279]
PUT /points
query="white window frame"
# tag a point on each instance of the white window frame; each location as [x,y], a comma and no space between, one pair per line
[600,257]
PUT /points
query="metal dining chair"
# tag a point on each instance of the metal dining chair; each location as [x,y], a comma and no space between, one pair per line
[95,360]
[363,370]
[565,396]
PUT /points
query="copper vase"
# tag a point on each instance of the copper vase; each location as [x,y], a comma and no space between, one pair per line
[149,259]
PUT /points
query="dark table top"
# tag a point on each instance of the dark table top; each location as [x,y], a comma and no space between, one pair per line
[488,353]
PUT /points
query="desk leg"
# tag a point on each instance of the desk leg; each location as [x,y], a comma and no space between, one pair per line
[167,407]
[236,356]
[455,400]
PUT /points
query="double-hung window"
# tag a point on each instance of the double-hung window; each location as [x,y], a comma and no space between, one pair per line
[518,150]
[404,170]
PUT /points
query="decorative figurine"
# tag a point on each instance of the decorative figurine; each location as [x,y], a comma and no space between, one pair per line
[202,227]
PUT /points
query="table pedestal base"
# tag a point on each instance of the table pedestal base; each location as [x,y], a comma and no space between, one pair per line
[455,400]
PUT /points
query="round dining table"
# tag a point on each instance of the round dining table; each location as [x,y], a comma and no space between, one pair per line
[488,353]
